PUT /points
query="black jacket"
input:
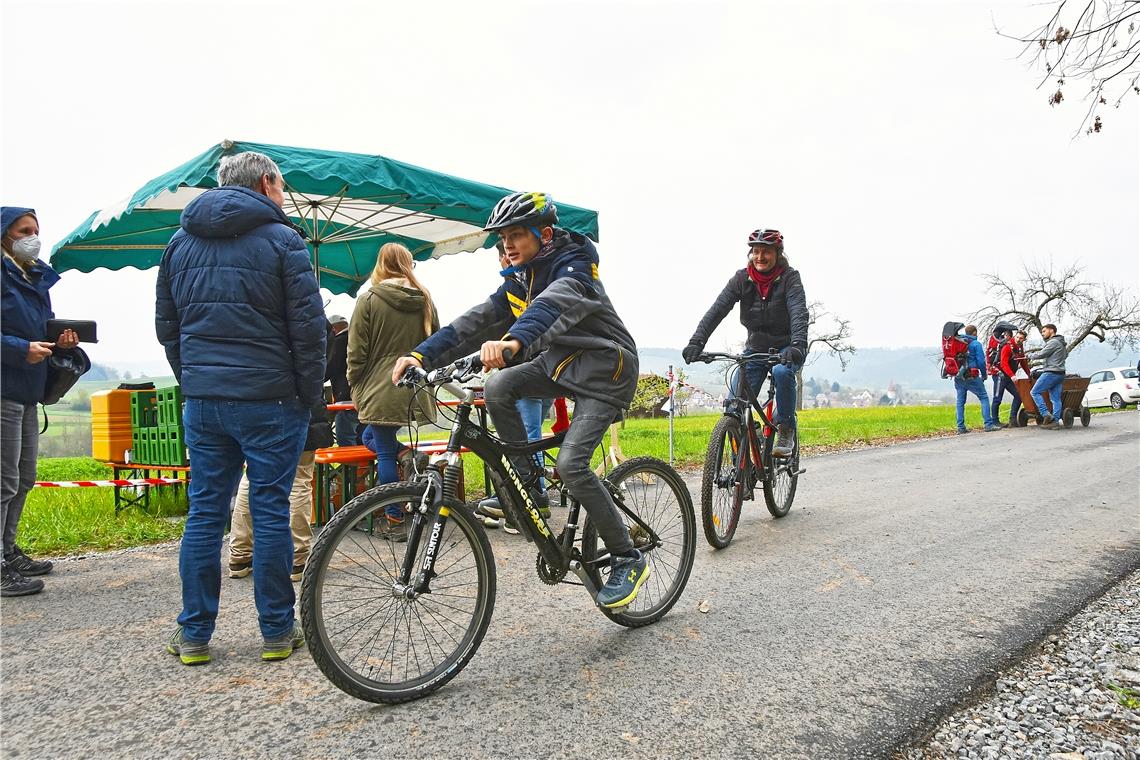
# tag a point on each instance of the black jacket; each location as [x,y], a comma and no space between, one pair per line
[775,322]
[338,367]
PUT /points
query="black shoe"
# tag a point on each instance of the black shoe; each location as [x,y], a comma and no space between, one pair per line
[14,584]
[785,441]
[25,565]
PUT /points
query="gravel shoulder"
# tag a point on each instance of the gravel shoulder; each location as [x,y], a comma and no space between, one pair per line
[1077,695]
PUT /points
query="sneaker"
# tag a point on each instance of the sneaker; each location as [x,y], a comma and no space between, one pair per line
[395,530]
[25,565]
[785,441]
[963,431]
[993,428]
[240,569]
[12,583]
[281,647]
[299,569]
[191,653]
[627,574]
[1048,422]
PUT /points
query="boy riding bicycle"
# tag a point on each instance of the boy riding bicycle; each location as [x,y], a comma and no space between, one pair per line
[553,313]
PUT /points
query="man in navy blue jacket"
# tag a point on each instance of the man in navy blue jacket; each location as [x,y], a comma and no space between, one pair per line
[241,319]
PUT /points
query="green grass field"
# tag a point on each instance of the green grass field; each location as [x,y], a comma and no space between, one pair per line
[61,521]
[68,520]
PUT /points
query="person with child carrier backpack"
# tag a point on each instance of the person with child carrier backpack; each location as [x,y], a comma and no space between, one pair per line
[966,367]
[999,339]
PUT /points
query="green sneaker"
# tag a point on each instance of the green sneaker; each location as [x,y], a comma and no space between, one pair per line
[281,647]
[190,652]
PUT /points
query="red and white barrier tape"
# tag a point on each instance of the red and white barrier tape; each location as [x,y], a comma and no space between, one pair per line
[105,483]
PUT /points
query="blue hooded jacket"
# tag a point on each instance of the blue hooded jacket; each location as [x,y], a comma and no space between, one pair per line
[238,309]
[977,356]
[25,308]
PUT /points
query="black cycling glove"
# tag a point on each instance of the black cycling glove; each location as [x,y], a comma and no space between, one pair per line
[691,352]
[792,355]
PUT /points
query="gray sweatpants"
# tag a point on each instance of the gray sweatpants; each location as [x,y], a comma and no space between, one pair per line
[591,419]
[19,445]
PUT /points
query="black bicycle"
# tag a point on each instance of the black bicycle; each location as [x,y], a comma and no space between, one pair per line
[390,624]
[740,456]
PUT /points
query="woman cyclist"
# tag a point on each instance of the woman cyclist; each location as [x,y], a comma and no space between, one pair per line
[774,309]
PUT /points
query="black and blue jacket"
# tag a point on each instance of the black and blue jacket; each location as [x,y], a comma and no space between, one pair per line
[556,307]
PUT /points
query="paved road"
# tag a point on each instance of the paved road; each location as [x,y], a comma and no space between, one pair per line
[901,580]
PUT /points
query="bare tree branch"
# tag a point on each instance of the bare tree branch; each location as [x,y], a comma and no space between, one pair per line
[1100,46]
[1081,309]
[829,331]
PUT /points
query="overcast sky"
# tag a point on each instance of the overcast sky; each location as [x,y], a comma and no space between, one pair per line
[900,147]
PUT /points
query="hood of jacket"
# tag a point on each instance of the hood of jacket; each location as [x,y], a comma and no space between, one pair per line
[226,212]
[400,297]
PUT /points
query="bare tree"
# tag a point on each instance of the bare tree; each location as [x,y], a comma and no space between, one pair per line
[1096,42]
[1046,293]
[832,333]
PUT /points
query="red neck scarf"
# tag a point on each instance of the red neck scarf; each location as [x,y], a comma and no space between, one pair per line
[764,281]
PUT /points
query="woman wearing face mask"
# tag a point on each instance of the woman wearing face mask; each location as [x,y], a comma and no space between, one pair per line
[773,308]
[26,308]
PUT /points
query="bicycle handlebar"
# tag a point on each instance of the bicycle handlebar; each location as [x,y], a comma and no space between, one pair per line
[461,370]
[771,358]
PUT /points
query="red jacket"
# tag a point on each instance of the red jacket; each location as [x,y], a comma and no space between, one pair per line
[1012,358]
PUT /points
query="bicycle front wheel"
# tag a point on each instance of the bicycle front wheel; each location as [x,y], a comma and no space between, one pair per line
[368,635]
[780,477]
[652,490]
[722,484]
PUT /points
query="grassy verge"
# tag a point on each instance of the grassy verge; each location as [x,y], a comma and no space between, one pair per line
[71,520]
[61,521]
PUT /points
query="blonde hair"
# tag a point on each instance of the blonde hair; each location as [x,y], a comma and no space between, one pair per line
[394,261]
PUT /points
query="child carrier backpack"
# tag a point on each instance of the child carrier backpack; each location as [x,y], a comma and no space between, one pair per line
[1001,334]
[955,353]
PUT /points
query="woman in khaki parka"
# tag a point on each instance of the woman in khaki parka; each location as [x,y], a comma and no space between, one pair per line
[394,316]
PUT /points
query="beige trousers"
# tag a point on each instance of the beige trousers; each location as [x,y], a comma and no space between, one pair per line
[300,512]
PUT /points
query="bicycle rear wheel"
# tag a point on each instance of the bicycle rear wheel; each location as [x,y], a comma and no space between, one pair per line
[780,477]
[374,642]
[653,491]
[722,484]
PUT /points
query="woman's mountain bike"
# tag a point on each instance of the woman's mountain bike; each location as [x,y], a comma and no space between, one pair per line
[390,623]
[739,455]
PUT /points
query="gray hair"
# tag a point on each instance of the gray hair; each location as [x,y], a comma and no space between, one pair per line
[246,170]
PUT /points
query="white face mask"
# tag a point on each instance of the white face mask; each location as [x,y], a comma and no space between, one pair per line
[26,249]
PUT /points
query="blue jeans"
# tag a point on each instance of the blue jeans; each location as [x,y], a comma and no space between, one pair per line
[268,437]
[534,411]
[387,449]
[1048,383]
[784,376]
[978,388]
[344,423]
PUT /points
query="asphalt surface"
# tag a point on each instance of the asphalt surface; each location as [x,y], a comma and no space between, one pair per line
[903,578]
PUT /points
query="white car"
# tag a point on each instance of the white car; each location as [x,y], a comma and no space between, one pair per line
[1114,387]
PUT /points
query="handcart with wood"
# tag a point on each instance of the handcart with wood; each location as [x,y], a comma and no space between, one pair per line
[1072,403]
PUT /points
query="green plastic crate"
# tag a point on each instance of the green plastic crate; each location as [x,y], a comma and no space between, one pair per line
[169,402]
[144,409]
